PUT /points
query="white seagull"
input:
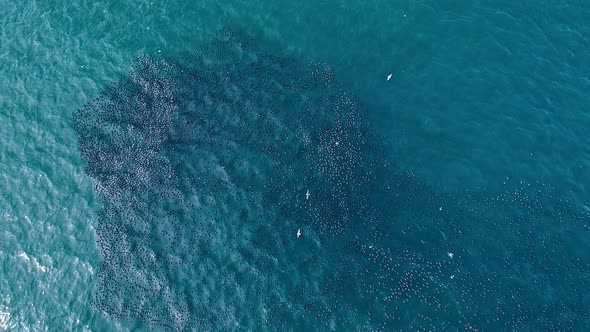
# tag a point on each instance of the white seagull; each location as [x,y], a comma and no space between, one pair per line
[307,194]
[298,232]
[389,76]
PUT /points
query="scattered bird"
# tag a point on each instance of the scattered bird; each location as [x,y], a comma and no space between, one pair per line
[299,233]
[307,194]
[389,76]
[450,254]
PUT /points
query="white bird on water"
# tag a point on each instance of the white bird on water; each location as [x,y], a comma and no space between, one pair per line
[389,76]
[307,194]
[298,232]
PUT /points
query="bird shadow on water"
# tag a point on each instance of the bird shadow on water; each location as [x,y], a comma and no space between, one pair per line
[210,162]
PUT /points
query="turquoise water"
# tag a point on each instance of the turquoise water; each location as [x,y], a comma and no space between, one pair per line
[486,112]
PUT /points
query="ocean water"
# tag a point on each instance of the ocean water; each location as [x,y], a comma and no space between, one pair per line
[456,199]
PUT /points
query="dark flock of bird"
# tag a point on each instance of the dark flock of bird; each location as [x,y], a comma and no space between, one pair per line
[245,190]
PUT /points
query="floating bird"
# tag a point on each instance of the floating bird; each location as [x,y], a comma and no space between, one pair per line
[307,194]
[389,76]
[299,233]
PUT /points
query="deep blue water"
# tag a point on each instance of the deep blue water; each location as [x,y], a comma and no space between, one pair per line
[452,197]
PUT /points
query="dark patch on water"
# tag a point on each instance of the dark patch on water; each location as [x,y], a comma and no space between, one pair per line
[204,162]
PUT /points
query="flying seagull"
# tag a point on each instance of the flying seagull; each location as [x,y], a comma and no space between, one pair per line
[298,232]
[307,194]
[389,76]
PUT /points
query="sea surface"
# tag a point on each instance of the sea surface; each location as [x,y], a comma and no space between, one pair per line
[462,202]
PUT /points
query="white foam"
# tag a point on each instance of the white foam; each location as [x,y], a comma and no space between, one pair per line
[32,260]
[5,319]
